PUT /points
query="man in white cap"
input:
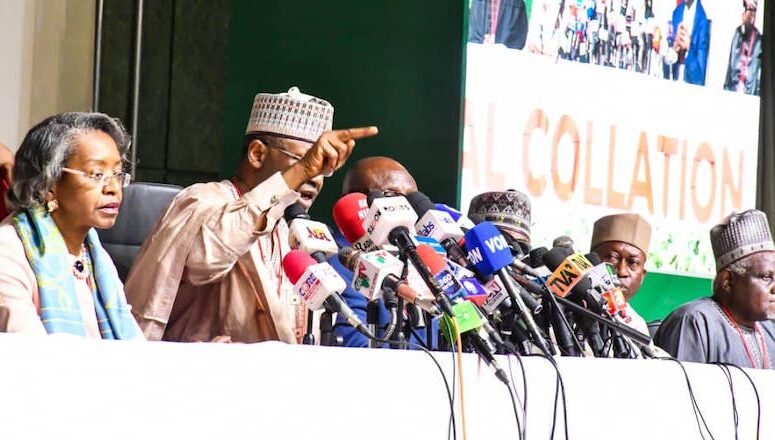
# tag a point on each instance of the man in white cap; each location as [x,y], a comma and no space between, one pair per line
[211,269]
[622,240]
[731,326]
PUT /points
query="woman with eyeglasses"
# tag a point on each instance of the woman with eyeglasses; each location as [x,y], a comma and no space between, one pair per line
[55,277]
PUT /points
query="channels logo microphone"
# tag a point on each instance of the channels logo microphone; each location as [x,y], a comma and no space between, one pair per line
[349,213]
[390,220]
[320,287]
[386,215]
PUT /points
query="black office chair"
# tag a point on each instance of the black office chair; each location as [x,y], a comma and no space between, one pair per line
[142,205]
[653,327]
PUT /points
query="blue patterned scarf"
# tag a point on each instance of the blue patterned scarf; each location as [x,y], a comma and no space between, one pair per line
[60,311]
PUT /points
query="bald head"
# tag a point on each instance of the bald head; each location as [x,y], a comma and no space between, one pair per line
[379,172]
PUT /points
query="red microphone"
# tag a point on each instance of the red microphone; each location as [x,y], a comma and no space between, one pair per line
[320,287]
[295,263]
[349,212]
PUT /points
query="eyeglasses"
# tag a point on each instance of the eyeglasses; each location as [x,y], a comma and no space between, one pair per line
[102,179]
[285,152]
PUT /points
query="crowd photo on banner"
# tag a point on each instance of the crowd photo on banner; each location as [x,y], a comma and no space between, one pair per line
[672,40]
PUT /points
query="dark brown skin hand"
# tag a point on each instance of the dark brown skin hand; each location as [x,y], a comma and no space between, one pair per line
[327,155]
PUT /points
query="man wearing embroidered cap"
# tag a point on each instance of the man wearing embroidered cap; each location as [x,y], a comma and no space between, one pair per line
[732,325]
[211,269]
[509,211]
[622,240]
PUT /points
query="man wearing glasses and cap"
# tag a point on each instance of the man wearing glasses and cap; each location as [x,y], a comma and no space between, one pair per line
[732,325]
[211,269]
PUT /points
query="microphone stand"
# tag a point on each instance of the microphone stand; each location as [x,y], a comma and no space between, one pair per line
[372,319]
[327,335]
[636,336]
[309,337]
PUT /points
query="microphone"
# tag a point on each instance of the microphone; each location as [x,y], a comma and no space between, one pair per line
[320,286]
[470,322]
[378,270]
[438,225]
[433,223]
[349,212]
[605,280]
[490,254]
[449,284]
[461,220]
[390,219]
[311,237]
[570,278]
[453,287]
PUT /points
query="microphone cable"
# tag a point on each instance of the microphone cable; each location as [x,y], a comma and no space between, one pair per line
[523,429]
[559,390]
[695,407]
[407,344]
[727,366]
[735,416]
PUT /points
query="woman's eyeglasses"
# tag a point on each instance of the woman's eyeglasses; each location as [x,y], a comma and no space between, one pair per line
[102,179]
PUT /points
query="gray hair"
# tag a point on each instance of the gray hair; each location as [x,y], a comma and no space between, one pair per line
[739,268]
[47,147]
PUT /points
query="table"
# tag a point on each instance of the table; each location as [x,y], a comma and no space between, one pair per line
[69,387]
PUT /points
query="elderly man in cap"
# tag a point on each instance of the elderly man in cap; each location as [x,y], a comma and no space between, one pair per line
[211,269]
[623,241]
[731,326]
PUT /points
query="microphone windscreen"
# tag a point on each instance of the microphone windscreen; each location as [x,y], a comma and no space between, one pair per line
[295,211]
[554,258]
[295,263]
[431,258]
[374,194]
[454,213]
[420,202]
[564,241]
[537,256]
[594,258]
[348,216]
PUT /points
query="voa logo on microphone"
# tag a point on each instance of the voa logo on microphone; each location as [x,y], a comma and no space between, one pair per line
[496,243]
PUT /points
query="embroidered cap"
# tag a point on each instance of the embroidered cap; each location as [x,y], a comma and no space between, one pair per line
[509,210]
[628,228]
[740,234]
[293,115]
